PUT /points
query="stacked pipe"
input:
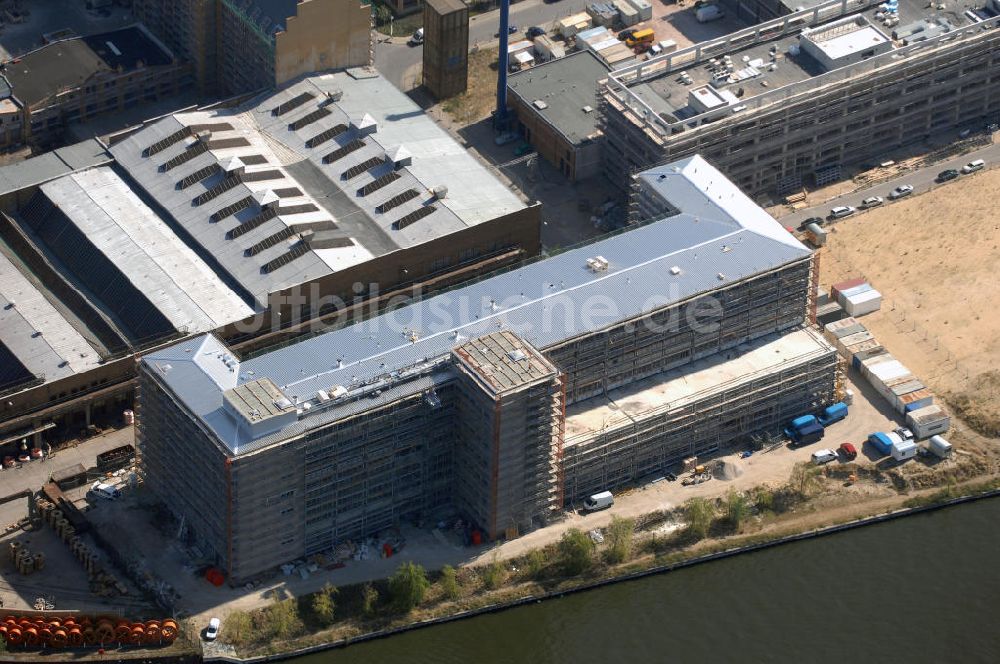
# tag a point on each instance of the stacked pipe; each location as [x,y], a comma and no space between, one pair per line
[24,562]
[55,518]
[83,631]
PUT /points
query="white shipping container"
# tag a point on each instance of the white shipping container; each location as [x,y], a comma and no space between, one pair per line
[868,364]
[547,49]
[604,45]
[928,421]
[644,8]
[904,450]
[888,370]
[853,290]
[571,25]
[599,33]
[519,46]
[939,447]
[852,339]
[629,15]
[863,303]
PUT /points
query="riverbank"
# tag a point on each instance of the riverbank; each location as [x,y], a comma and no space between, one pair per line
[654,556]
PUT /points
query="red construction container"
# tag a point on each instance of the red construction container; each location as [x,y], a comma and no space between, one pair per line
[844,285]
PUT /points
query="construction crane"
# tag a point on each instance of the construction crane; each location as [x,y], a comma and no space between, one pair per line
[500,116]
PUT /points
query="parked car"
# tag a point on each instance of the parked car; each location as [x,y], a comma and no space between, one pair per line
[841,211]
[105,491]
[974,166]
[418,38]
[819,457]
[849,451]
[871,201]
[511,29]
[900,191]
[671,477]
[534,31]
[949,174]
[212,632]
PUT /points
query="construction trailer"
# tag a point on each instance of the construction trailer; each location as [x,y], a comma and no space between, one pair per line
[461,402]
[793,100]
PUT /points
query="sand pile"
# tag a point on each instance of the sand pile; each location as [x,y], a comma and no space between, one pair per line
[727,470]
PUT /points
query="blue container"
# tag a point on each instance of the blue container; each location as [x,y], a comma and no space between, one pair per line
[802,421]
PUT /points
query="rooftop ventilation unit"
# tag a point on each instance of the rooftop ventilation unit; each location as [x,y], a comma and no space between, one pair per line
[440,192]
[597,264]
[234,166]
[399,157]
[675,270]
[266,199]
[539,104]
[332,96]
[364,125]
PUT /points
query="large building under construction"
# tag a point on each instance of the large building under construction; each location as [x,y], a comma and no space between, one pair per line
[791,100]
[486,399]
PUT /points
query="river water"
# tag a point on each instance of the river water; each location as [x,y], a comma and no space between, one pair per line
[921,589]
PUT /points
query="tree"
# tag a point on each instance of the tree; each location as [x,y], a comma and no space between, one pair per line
[576,551]
[323,606]
[804,478]
[763,499]
[494,574]
[619,537]
[407,587]
[699,514]
[535,563]
[283,618]
[449,582]
[369,599]
[737,508]
[238,628]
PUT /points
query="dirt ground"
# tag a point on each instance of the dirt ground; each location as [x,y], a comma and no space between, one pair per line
[934,258]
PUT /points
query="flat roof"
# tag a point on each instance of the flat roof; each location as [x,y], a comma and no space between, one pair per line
[502,361]
[36,332]
[667,95]
[70,63]
[326,151]
[546,303]
[567,85]
[692,382]
[447,6]
[51,165]
[846,43]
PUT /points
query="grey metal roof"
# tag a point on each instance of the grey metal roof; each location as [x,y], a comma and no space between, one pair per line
[50,165]
[42,339]
[350,204]
[174,279]
[566,85]
[547,303]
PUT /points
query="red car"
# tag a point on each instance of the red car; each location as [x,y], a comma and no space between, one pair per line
[849,451]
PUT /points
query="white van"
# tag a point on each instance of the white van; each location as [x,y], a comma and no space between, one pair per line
[105,491]
[819,457]
[599,501]
[974,166]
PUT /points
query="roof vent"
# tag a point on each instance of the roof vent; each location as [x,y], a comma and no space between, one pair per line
[322,395]
[597,264]
[234,166]
[11,305]
[726,248]
[721,277]
[364,125]
[205,135]
[399,156]
[675,270]
[338,391]
[440,192]
[517,355]
[588,109]
[539,104]
[266,198]
[332,96]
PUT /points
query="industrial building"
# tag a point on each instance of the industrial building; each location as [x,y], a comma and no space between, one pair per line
[556,105]
[318,203]
[790,101]
[485,399]
[446,47]
[242,46]
[78,79]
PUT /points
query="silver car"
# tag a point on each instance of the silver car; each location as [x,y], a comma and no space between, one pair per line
[841,211]
[900,191]
[871,201]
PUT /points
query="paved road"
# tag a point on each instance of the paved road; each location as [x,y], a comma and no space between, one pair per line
[922,181]
[398,62]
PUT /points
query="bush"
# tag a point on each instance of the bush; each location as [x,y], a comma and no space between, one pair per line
[804,478]
[238,628]
[576,552]
[407,587]
[534,564]
[281,619]
[323,606]
[369,600]
[763,499]
[619,536]
[737,508]
[449,583]
[699,514]
[494,574]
